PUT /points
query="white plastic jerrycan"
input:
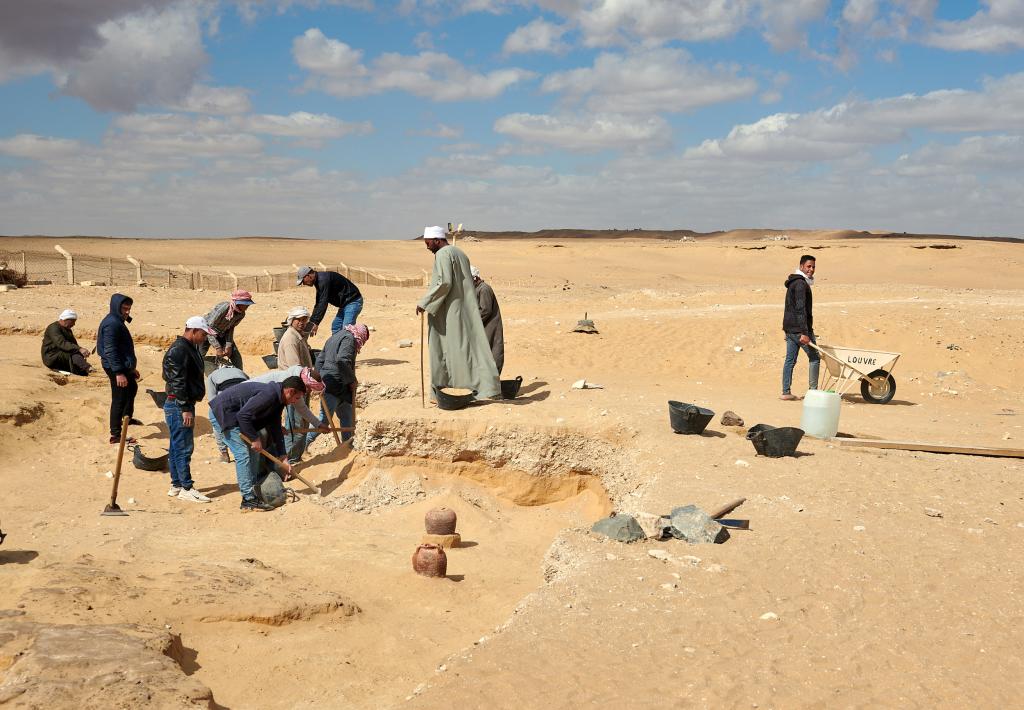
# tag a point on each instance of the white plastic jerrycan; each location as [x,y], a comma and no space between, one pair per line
[821,414]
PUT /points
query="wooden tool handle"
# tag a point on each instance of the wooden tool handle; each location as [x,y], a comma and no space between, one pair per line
[279,462]
[331,428]
[423,395]
[727,508]
[120,458]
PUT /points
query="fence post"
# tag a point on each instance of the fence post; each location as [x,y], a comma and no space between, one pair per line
[426,277]
[191,277]
[110,271]
[24,266]
[138,269]
[71,264]
[234,280]
[270,280]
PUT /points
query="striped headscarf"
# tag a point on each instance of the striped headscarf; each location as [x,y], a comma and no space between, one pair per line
[360,332]
[239,294]
[311,384]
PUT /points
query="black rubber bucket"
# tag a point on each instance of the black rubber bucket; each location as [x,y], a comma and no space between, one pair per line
[688,418]
[315,354]
[276,344]
[279,332]
[452,401]
[144,463]
[510,388]
[158,398]
[270,361]
[775,441]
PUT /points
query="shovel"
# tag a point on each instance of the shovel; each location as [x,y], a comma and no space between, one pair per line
[112,508]
[279,462]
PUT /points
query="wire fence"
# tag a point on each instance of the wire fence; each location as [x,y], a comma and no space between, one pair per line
[62,267]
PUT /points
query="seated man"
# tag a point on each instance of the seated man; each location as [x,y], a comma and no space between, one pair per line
[60,349]
[245,409]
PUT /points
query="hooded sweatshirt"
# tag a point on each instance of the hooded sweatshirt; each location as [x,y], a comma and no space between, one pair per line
[114,340]
[798,317]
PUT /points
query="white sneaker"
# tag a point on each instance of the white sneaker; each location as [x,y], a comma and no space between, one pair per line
[174,491]
[193,495]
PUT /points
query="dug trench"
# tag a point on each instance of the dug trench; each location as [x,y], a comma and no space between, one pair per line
[315,604]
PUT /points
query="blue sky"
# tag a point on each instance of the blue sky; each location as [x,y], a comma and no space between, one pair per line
[371,118]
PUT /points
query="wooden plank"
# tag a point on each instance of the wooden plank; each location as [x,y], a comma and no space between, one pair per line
[933,448]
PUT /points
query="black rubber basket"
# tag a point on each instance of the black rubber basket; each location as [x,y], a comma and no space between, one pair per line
[144,463]
[270,361]
[688,418]
[452,401]
[510,388]
[158,398]
[775,442]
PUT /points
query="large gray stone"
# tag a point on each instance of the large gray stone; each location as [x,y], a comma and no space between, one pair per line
[623,528]
[692,524]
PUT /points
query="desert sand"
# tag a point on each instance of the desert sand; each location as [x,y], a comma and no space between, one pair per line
[871,601]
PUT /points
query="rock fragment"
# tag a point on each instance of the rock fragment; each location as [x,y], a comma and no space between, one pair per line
[692,524]
[731,418]
[621,528]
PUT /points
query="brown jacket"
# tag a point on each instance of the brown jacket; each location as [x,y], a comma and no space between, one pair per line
[293,350]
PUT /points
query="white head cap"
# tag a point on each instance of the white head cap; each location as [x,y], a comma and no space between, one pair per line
[474,272]
[434,233]
[199,323]
[68,314]
[297,312]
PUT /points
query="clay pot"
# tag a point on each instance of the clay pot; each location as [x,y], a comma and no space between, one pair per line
[430,561]
[440,521]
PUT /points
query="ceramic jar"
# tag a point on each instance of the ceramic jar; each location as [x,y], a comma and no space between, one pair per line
[440,521]
[430,561]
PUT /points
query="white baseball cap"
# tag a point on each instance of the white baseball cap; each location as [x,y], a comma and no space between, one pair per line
[68,315]
[199,323]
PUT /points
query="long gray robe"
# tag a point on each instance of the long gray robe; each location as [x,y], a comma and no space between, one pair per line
[460,355]
[490,314]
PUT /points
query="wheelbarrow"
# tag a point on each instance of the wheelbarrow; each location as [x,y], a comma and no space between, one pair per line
[845,366]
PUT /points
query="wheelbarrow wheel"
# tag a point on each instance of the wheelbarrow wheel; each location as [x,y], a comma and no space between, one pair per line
[878,388]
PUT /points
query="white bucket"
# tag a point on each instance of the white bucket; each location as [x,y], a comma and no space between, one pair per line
[821,414]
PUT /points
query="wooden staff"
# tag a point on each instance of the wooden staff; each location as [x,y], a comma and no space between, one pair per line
[423,396]
[278,461]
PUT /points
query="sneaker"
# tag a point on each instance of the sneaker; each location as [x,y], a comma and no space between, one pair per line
[174,491]
[193,495]
[135,422]
[254,505]
[129,440]
[789,397]
[224,457]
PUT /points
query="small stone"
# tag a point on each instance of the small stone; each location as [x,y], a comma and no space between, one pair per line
[692,560]
[654,526]
[859,528]
[611,557]
[990,521]
[659,555]
[975,531]
[692,524]
[933,512]
[742,464]
[731,418]
[604,412]
[715,568]
[1006,436]
[689,649]
[622,528]
[769,616]
[737,349]
[109,474]
[131,501]
[669,585]
[404,343]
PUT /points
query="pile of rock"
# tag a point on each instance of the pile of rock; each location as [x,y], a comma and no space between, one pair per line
[688,523]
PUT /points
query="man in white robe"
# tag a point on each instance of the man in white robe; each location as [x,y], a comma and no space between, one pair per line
[460,354]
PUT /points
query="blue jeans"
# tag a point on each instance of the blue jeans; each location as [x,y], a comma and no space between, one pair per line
[294,443]
[335,405]
[347,315]
[793,348]
[247,463]
[218,435]
[179,456]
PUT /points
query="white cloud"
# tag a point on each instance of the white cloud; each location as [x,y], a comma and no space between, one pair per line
[648,82]
[305,125]
[585,134]
[215,99]
[850,127]
[441,130]
[538,35]
[784,23]
[860,12]
[997,28]
[28,145]
[337,69]
[604,22]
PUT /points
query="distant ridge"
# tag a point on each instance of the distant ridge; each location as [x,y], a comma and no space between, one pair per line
[729,235]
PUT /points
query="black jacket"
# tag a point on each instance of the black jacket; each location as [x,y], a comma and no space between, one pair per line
[114,340]
[332,289]
[183,373]
[252,406]
[798,317]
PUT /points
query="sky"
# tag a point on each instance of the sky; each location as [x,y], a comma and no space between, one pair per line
[361,119]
